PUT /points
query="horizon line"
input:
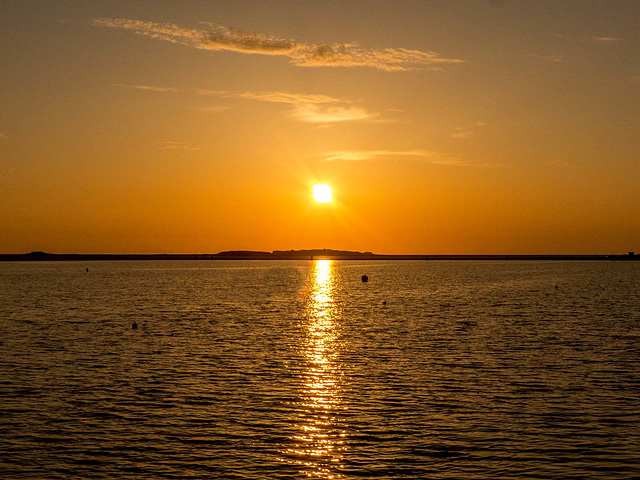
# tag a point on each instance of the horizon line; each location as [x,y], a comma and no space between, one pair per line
[306,254]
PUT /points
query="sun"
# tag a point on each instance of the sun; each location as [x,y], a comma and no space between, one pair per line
[322,193]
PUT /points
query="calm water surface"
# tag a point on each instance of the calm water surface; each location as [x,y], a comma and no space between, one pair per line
[471,370]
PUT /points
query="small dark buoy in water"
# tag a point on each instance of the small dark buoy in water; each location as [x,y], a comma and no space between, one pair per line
[365,278]
[556,287]
[384,303]
[134,325]
[87,269]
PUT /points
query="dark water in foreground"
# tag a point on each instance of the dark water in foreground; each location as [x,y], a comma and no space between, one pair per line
[472,370]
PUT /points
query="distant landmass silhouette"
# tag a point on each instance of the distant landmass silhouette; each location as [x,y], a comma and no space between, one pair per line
[313,254]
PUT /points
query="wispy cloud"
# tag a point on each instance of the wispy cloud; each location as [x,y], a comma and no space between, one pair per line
[300,53]
[467,130]
[430,156]
[176,146]
[607,40]
[546,58]
[362,155]
[148,88]
[306,108]
[212,109]
[276,97]
[543,57]
[318,113]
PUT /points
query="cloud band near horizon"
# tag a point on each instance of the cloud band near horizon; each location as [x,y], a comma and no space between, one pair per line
[300,53]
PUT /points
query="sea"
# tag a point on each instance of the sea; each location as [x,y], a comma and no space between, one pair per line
[299,369]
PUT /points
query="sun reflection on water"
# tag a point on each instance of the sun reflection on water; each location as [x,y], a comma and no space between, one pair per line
[319,444]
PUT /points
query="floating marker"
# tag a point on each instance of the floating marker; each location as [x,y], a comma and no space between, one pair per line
[365,278]
[134,325]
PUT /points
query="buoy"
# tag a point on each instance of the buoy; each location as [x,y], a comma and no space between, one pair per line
[134,325]
[365,278]
[556,287]
[384,303]
[87,269]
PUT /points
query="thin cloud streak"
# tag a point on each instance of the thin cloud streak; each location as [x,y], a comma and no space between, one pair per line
[430,156]
[148,88]
[467,130]
[547,58]
[315,113]
[219,38]
[607,40]
[363,155]
[276,97]
[306,108]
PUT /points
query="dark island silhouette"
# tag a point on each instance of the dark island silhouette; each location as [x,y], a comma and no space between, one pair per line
[314,254]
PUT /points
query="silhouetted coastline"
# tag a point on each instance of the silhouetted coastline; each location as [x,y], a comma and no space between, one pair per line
[300,255]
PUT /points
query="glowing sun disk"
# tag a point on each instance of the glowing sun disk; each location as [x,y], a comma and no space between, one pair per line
[322,193]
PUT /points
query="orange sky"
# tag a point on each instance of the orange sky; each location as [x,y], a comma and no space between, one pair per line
[470,127]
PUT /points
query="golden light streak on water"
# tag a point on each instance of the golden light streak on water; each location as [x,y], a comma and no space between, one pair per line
[319,443]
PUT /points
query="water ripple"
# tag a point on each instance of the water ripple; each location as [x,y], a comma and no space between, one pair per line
[298,369]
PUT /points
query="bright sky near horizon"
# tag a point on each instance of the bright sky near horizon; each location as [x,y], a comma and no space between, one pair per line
[467,127]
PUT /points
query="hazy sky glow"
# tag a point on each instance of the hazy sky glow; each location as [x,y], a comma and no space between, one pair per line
[469,127]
